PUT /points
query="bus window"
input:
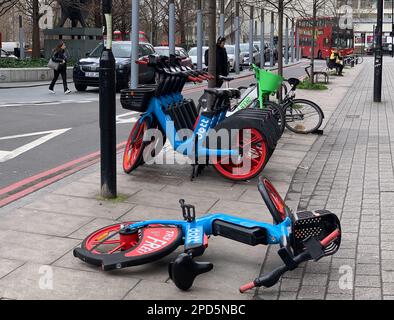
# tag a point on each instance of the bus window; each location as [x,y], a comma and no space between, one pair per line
[326,43]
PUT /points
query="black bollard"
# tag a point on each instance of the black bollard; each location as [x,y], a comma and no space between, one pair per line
[108,110]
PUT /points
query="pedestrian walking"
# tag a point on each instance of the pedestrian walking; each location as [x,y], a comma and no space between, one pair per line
[221,60]
[59,56]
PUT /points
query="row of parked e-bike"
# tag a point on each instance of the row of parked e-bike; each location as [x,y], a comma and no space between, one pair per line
[193,131]
[248,124]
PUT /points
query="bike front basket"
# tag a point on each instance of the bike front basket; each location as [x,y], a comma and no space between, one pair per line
[268,81]
[136,99]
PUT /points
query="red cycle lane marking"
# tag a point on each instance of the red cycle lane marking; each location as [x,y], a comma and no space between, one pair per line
[29,185]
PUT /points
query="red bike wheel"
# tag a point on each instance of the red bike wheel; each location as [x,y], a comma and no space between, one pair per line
[115,247]
[279,204]
[253,155]
[132,156]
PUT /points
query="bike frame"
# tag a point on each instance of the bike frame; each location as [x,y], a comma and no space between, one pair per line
[205,122]
[196,231]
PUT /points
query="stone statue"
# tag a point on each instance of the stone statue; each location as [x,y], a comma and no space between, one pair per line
[75,10]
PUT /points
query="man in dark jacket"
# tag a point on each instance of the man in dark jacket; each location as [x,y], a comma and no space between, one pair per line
[221,60]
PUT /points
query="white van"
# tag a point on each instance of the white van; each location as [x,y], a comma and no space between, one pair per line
[9,46]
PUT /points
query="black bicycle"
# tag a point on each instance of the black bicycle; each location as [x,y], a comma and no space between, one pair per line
[301,115]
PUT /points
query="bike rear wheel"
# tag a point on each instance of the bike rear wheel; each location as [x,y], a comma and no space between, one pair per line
[116,246]
[303,116]
[253,155]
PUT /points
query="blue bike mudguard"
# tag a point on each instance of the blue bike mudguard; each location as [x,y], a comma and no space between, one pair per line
[155,109]
[274,232]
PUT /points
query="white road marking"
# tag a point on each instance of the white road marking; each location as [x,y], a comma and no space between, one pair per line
[44,103]
[126,117]
[48,135]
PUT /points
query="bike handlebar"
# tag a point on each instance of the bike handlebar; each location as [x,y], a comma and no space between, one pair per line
[270,279]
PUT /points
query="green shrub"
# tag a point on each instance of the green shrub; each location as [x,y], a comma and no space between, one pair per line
[306,84]
[26,63]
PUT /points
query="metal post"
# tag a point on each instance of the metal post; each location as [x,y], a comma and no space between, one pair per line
[392,28]
[21,39]
[292,40]
[251,22]
[135,41]
[221,24]
[262,44]
[199,35]
[298,49]
[171,27]
[287,41]
[108,109]
[212,45]
[377,86]
[272,41]
[237,38]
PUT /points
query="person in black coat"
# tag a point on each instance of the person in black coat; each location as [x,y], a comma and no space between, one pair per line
[221,60]
[59,55]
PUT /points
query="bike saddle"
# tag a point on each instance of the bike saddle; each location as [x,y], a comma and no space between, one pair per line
[294,82]
[184,270]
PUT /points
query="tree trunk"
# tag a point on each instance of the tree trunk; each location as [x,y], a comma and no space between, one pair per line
[36,30]
[182,24]
[212,42]
[314,13]
[280,38]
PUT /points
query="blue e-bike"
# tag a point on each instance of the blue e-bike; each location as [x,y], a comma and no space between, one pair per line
[164,108]
[302,236]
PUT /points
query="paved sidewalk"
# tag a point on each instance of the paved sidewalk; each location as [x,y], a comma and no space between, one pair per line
[37,234]
[350,172]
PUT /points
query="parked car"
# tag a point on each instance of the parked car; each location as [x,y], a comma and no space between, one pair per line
[244,49]
[387,48]
[266,50]
[86,70]
[369,50]
[231,57]
[193,55]
[6,54]
[180,52]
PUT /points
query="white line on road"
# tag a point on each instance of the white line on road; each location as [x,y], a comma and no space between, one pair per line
[8,155]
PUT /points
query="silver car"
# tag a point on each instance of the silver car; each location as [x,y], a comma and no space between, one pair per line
[193,55]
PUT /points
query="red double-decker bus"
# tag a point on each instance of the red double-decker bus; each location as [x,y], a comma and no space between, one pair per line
[328,36]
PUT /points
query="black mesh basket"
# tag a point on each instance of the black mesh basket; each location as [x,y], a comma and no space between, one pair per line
[137,99]
[318,224]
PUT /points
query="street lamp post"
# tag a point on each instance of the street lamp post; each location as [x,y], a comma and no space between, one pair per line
[108,109]
[378,65]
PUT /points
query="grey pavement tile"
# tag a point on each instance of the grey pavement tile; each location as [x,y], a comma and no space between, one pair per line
[287,295]
[33,281]
[388,288]
[387,276]
[143,212]
[7,266]
[170,200]
[370,281]
[47,223]
[155,271]
[340,287]
[311,293]
[290,284]
[95,224]
[339,297]
[33,247]
[314,279]
[149,290]
[81,206]
[87,190]
[388,297]
[368,269]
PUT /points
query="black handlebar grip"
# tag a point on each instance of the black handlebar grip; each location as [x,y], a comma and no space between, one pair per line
[270,279]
